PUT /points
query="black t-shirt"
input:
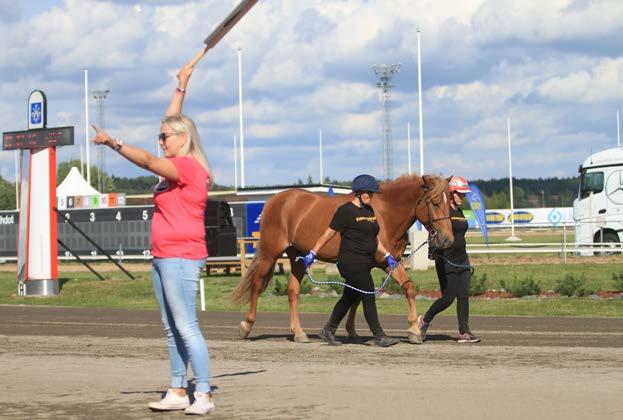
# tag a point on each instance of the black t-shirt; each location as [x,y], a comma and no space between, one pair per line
[358,228]
[457,253]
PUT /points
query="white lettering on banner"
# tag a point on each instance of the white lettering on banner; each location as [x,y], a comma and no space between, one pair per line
[7,220]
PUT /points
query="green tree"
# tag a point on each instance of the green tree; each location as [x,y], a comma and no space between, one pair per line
[7,195]
[64,167]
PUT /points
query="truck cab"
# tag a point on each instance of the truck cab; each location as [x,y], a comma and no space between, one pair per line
[598,210]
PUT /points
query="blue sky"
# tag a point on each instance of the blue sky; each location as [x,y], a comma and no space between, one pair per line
[555,67]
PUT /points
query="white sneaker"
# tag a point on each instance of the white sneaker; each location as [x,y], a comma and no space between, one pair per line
[203,404]
[170,402]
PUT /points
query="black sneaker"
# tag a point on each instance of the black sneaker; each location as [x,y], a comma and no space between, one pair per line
[385,341]
[468,337]
[329,336]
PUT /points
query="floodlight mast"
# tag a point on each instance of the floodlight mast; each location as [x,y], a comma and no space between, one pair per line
[384,74]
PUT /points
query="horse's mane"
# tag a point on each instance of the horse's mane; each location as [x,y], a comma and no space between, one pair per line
[436,184]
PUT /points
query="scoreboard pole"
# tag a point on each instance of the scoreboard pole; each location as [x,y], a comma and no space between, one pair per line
[37,250]
[41,263]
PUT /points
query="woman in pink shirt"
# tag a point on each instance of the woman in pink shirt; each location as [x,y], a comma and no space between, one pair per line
[177,245]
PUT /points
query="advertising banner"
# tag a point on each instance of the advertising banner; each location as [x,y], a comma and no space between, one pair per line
[254,212]
[478,208]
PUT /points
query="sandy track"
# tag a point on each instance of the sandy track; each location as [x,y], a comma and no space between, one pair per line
[107,363]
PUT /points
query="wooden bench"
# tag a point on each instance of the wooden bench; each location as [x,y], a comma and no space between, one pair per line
[240,262]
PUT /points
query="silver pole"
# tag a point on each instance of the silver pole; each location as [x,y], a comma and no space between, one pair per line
[419,84]
[17,178]
[618,130]
[409,148]
[82,161]
[510,178]
[241,121]
[235,163]
[86,123]
[320,147]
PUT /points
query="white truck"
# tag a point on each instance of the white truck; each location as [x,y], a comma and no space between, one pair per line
[598,210]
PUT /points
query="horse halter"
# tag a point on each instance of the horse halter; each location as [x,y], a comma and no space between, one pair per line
[429,225]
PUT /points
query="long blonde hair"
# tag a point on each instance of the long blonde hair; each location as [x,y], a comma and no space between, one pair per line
[181,124]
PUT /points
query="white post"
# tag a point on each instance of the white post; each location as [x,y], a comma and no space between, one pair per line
[82,160]
[241,122]
[86,123]
[409,148]
[618,130]
[235,163]
[202,293]
[510,181]
[320,146]
[17,178]
[419,84]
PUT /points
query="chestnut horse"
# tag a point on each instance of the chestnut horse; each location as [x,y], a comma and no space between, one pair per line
[293,220]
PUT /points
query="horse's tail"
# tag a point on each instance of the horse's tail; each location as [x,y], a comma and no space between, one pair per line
[242,293]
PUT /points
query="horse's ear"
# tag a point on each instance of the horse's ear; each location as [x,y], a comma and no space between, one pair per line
[425,182]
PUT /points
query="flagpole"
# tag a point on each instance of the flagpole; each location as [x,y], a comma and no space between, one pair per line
[320,149]
[409,148]
[512,238]
[86,123]
[618,130]
[235,163]
[421,117]
[17,178]
[242,184]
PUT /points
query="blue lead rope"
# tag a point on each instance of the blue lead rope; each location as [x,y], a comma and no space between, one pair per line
[365,292]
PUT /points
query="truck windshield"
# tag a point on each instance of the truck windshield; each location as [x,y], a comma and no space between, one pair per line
[591,182]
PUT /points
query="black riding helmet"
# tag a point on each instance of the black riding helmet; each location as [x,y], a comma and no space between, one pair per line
[364,183]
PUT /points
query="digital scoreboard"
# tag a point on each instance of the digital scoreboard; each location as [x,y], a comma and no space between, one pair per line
[38,138]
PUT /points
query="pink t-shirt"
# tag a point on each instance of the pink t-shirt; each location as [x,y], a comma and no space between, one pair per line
[177,228]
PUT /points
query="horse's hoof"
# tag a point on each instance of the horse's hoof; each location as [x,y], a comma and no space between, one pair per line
[301,338]
[415,338]
[245,329]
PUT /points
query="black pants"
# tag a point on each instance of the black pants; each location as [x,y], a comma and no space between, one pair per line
[357,275]
[454,283]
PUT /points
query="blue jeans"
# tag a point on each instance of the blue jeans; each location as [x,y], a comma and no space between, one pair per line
[176,282]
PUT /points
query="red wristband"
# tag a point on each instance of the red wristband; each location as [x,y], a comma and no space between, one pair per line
[180,90]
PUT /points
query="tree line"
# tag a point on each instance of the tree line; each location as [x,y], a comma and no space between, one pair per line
[527,192]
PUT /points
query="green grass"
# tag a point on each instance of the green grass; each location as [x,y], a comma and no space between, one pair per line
[81,289]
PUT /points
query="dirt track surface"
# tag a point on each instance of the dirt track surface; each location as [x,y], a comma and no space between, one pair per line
[108,363]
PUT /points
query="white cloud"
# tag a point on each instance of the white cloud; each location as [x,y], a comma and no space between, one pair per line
[553,66]
[601,83]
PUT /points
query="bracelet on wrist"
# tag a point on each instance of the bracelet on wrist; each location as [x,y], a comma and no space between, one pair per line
[180,90]
[117,146]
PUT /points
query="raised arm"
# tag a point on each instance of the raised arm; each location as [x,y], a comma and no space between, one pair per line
[177,102]
[140,157]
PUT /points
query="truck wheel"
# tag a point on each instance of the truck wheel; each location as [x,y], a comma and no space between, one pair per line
[611,240]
